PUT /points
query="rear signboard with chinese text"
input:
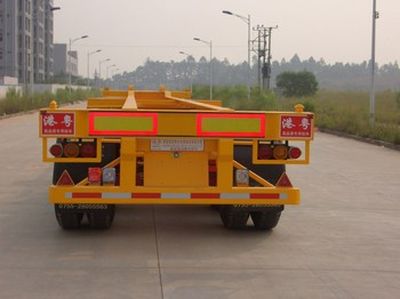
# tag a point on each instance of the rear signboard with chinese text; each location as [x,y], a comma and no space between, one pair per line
[295,126]
[58,123]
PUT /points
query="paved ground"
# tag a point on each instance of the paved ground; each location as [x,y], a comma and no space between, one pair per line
[342,242]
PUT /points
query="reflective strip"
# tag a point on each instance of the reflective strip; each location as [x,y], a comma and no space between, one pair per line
[123,123]
[264,196]
[235,196]
[175,195]
[126,195]
[111,195]
[204,195]
[86,195]
[230,125]
[146,195]
[283,196]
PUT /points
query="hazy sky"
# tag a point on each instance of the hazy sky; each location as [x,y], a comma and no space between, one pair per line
[129,31]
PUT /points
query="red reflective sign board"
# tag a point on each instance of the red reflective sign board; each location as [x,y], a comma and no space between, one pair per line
[57,123]
[295,126]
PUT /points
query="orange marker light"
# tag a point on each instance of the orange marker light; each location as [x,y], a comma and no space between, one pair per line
[280,152]
[71,150]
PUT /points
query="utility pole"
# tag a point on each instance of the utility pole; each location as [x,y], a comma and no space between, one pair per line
[259,57]
[264,40]
[375,15]
[269,56]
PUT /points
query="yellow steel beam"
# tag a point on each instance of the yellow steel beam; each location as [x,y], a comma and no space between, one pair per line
[128,162]
[196,104]
[225,163]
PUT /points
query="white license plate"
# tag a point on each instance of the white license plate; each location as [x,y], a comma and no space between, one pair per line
[181,145]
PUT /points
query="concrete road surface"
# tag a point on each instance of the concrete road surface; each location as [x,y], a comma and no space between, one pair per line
[342,242]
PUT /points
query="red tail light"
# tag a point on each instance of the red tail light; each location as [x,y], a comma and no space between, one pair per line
[71,150]
[294,152]
[265,152]
[88,150]
[94,175]
[56,150]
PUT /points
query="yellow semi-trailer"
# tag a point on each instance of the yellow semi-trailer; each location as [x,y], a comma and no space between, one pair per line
[160,147]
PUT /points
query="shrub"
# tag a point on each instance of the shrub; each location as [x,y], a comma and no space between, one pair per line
[297,84]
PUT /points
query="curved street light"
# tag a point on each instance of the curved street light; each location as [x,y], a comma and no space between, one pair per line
[100,63]
[88,64]
[191,70]
[209,43]
[108,67]
[71,41]
[247,20]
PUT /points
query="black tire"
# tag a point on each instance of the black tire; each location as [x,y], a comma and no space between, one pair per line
[271,173]
[233,218]
[99,219]
[68,220]
[265,220]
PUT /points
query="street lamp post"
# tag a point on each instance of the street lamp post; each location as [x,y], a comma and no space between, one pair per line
[112,76]
[88,65]
[108,67]
[211,71]
[113,72]
[191,70]
[375,15]
[247,20]
[100,63]
[71,41]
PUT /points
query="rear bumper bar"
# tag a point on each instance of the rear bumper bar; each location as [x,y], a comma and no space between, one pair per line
[160,196]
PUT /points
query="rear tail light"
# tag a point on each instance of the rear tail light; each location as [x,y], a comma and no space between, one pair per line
[265,152]
[88,150]
[294,152]
[56,150]
[280,152]
[71,150]
[94,175]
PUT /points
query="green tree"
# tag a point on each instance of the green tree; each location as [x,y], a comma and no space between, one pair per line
[297,84]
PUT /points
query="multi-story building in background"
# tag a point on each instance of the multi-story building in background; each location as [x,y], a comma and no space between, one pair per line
[26,40]
[65,61]
[48,40]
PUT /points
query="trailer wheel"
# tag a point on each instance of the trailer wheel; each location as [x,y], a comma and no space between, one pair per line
[68,220]
[100,219]
[266,220]
[233,218]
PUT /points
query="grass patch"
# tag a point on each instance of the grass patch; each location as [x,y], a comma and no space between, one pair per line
[18,102]
[348,112]
[342,111]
